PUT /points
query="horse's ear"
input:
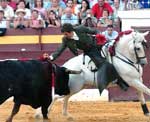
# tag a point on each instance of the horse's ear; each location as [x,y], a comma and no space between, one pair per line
[145,33]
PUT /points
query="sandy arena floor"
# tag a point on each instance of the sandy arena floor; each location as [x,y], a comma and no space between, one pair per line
[83,112]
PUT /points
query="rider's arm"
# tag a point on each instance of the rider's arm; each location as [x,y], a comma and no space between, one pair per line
[59,50]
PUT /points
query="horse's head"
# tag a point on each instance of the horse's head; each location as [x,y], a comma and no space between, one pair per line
[137,45]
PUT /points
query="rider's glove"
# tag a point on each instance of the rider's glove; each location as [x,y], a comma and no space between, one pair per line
[51,57]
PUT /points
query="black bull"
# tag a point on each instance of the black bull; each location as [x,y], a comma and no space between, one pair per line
[29,82]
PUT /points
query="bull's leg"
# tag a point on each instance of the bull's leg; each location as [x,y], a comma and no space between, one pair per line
[38,113]
[143,103]
[14,112]
[56,97]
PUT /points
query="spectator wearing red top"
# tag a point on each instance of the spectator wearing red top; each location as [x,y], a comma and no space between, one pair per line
[13,4]
[98,8]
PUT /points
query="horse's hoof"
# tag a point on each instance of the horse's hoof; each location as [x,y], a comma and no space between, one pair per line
[46,120]
[8,120]
[64,114]
[147,114]
[70,118]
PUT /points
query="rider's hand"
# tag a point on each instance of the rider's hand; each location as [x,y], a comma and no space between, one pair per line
[51,58]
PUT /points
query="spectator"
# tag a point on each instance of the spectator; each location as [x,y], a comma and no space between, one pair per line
[21,5]
[111,2]
[133,4]
[98,8]
[117,7]
[92,3]
[55,7]
[82,11]
[29,4]
[8,11]
[47,4]
[20,21]
[69,17]
[71,4]
[38,5]
[3,22]
[52,20]
[35,21]
[89,20]
[110,33]
[13,4]
[105,19]
[60,3]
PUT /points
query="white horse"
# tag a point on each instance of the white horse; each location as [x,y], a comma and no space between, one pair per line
[128,61]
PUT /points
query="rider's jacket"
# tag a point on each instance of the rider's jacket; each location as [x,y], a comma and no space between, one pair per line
[83,42]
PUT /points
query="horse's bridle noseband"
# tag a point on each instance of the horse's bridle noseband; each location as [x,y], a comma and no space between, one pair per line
[136,49]
[128,61]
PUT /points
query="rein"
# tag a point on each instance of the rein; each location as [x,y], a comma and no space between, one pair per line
[136,54]
[128,61]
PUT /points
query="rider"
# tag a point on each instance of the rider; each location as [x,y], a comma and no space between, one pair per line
[79,37]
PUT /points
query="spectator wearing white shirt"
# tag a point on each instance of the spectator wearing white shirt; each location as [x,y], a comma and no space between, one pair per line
[8,11]
[3,22]
[89,20]
[69,17]
[110,33]
[117,7]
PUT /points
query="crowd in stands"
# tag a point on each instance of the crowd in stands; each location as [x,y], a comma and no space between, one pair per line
[22,14]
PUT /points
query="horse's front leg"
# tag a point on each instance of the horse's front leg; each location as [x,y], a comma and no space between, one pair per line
[143,103]
[141,88]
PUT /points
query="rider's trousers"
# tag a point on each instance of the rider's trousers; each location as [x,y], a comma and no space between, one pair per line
[95,56]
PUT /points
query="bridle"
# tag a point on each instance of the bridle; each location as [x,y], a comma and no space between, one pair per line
[144,44]
[129,61]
